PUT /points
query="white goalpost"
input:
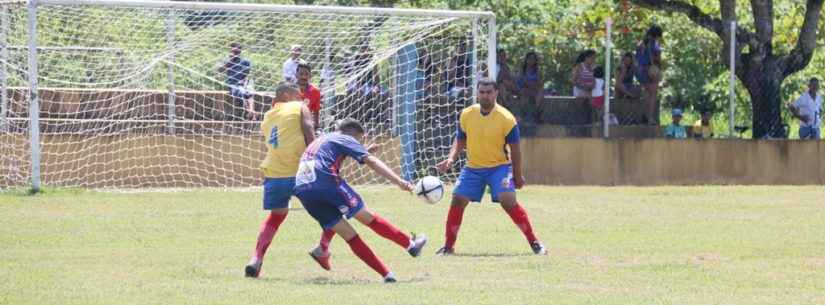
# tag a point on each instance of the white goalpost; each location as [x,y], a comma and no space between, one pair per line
[119,94]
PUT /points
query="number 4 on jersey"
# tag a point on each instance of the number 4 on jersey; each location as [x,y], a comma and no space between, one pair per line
[273,137]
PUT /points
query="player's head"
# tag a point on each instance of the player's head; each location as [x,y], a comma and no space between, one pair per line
[350,127]
[487,92]
[813,85]
[295,51]
[235,48]
[304,73]
[286,92]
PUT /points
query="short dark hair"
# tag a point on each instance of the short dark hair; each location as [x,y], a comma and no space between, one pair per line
[235,45]
[814,80]
[654,31]
[486,81]
[598,72]
[349,124]
[283,87]
[584,55]
[305,66]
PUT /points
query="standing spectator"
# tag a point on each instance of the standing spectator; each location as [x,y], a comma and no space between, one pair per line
[237,69]
[808,109]
[674,130]
[459,71]
[625,86]
[597,95]
[309,93]
[531,86]
[425,70]
[583,79]
[505,76]
[703,128]
[291,63]
[648,70]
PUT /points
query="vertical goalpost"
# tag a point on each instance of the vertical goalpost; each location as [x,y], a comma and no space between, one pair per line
[169,53]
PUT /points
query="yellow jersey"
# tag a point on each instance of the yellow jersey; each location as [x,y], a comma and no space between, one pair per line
[284,139]
[703,131]
[487,135]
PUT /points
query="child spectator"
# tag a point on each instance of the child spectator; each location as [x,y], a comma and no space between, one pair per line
[674,130]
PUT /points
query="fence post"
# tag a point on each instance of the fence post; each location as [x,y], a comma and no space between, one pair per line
[170,73]
[4,58]
[607,58]
[34,99]
[732,110]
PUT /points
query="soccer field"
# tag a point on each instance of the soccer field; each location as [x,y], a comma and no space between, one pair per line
[616,245]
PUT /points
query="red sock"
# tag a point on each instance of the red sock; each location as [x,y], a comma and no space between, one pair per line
[453,224]
[326,238]
[389,231]
[519,217]
[268,230]
[365,254]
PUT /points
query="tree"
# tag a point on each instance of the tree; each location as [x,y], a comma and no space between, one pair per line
[761,66]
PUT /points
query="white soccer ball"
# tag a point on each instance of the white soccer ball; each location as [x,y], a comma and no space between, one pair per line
[430,189]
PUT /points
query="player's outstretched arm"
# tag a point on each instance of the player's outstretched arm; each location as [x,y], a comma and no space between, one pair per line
[307,127]
[382,169]
[515,155]
[458,146]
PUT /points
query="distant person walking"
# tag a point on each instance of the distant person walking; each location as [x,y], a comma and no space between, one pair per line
[808,109]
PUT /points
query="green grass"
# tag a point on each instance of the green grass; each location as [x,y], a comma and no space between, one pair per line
[618,245]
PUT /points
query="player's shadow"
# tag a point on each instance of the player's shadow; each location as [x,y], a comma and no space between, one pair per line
[321,280]
[491,254]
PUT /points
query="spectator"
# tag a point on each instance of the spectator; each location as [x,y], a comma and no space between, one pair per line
[703,128]
[291,63]
[808,109]
[530,82]
[674,130]
[648,70]
[625,86]
[237,70]
[309,93]
[597,95]
[583,79]
[506,84]
[366,84]
[425,70]
[459,71]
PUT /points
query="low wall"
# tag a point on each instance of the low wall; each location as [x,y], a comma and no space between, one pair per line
[668,161]
[232,160]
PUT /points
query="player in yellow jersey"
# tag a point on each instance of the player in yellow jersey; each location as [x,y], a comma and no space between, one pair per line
[287,130]
[490,135]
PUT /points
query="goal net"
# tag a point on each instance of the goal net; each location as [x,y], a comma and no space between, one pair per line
[150,94]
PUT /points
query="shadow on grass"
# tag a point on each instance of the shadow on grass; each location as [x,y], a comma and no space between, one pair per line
[321,280]
[492,254]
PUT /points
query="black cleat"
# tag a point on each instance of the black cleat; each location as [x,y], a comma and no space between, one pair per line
[418,243]
[444,251]
[538,248]
[390,278]
[253,269]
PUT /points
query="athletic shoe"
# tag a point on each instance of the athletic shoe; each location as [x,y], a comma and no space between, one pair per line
[253,269]
[418,243]
[390,278]
[538,248]
[444,251]
[321,258]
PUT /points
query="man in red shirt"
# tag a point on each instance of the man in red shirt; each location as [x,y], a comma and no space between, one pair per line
[310,94]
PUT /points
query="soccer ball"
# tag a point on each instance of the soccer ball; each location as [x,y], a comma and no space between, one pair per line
[430,189]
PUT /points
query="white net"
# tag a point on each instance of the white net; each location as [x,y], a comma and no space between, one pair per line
[150,96]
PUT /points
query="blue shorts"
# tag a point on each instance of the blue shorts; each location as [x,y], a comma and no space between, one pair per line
[473,181]
[328,205]
[277,192]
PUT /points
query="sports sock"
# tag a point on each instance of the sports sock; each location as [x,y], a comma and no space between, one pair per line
[519,217]
[365,254]
[389,231]
[454,217]
[268,229]
[326,238]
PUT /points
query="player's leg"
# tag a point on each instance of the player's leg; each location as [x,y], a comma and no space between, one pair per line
[470,186]
[277,192]
[386,229]
[503,191]
[329,216]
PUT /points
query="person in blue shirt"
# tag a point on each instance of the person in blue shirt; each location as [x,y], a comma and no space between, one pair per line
[675,130]
[237,70]
[329,199]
